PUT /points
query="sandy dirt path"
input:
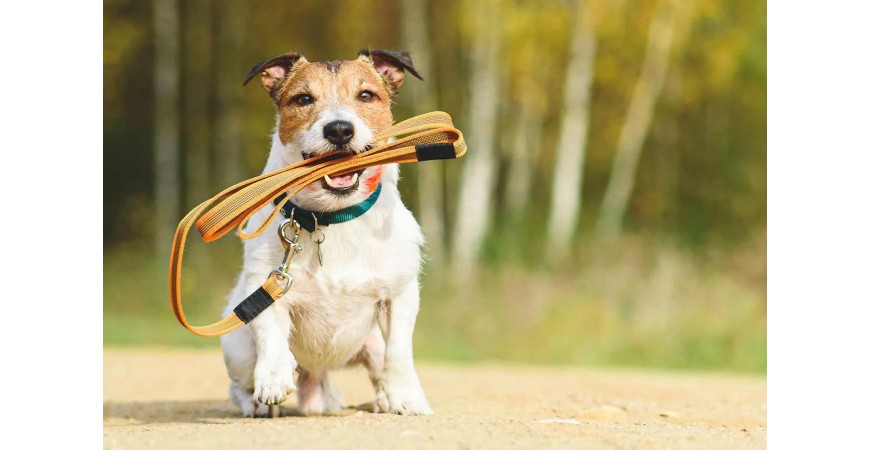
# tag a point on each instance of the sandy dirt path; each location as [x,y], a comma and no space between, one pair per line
[166,399]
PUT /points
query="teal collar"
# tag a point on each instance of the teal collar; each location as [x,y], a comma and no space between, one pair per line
[306,218]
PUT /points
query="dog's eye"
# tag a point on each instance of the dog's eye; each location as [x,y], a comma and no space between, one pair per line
[367,96]
[303,99]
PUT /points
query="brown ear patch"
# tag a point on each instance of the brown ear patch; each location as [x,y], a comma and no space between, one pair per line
[391,65]
[273,71]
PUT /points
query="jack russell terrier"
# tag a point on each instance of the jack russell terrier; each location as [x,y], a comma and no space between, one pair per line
[355,292]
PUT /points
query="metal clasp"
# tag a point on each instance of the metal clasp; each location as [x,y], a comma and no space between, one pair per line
[291,248]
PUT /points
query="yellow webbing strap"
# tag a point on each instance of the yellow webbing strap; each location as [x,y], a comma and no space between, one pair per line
[427,136]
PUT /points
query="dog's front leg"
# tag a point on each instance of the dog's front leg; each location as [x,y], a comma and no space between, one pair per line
[401,384]
[273,372]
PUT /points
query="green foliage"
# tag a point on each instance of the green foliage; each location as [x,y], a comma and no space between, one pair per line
[634,303]
[702,175]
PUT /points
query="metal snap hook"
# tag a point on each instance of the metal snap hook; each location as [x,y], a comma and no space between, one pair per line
[286,240]
[291,248]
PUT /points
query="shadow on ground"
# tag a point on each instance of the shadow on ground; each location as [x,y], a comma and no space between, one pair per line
[199,411]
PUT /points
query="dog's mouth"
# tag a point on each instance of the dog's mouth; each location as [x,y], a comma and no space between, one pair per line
[345,183]
[342,183]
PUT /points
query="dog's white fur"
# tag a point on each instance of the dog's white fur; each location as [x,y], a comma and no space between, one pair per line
[361,306]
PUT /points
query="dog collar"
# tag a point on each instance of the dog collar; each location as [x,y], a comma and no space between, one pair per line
[306,217]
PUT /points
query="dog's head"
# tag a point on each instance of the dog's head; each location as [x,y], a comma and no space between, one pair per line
[333,107]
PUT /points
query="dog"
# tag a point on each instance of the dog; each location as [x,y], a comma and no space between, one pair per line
[355,295]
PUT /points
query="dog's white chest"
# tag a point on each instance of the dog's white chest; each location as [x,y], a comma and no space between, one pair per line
[333,306]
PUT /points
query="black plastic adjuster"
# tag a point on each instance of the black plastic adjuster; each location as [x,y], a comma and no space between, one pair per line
[252,306]
[426,152]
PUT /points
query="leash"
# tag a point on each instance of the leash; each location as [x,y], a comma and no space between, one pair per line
[425,137]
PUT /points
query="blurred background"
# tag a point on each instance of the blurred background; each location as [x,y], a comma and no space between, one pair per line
[611,209]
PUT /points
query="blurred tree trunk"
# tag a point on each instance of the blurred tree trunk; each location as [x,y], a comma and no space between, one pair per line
[229,76]
[524,144]
[478,176]
[197,95]
[430,181]
[566,198]
[637,121]
[166,115]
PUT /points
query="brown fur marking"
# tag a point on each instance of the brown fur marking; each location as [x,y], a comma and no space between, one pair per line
[328,88]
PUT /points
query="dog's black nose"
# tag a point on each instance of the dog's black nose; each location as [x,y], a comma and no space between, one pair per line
[339,132]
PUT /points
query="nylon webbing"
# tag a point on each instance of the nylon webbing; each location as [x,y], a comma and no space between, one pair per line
[234,206]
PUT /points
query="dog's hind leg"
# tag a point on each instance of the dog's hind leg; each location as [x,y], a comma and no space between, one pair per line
[372,357]
[316,394]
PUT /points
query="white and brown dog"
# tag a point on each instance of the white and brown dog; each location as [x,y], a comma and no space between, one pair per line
[359,304]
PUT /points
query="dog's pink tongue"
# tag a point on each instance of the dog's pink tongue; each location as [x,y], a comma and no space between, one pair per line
[341,181]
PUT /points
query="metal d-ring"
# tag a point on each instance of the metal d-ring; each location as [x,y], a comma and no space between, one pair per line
[316,240]
[322,236]
[282,275]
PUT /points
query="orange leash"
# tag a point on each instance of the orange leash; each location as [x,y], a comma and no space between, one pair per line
[426,137]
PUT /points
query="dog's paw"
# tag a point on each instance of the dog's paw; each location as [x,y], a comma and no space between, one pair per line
[250,407]
[380,404]
[255,409]
[273,385]
[403,400]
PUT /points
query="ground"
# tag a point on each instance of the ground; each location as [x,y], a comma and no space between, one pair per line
[177,399]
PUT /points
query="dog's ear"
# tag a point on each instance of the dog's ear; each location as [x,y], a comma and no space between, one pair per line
[273,71]
[391,65]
